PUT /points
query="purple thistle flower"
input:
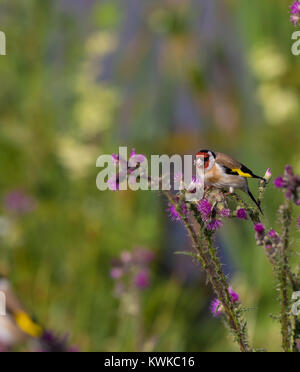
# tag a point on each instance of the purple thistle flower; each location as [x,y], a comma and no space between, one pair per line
[142,280]
[173,214]
[225,212]
[216,307]
[234,295]
[143,256]
[295,19]
[268,175]
[113,184]
[205,208]
[133,153]
[51,343]
[18,202]
[272,234]
[279,182]
[214,225]
[259,228]
[299,221]
[116,273]
[241,214]
[295,7]
[115,158]
[139,158]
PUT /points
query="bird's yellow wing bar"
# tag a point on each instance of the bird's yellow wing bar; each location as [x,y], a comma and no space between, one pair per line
[27,325]
[241,173]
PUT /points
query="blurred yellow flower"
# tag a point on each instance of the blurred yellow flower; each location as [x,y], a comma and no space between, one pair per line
[267,63]
[76,156]
[101,43]
[98,101]
[95,109]
[279,104]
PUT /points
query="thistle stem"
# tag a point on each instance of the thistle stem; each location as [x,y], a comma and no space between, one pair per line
[211,264]
[285,276]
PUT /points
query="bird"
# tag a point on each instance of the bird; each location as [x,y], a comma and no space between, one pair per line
[222,171]
[16,325]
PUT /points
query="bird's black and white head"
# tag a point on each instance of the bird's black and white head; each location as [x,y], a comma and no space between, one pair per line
[206,158]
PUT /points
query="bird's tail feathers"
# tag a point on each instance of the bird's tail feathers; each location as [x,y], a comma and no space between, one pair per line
[255,201]
[258,177]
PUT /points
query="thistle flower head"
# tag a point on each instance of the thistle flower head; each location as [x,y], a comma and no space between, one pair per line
[52,343]
[225,212]
[173,213]
[279,182]
[259,228]
[272,234]
[241,214]
[290,184]
[142,280]
[295,7]
[216,308]
[17,201]
[116,273]
[268,175]
[233,294]
[214,225]
[295,13]
[115,158]
[131,268]
[205,209]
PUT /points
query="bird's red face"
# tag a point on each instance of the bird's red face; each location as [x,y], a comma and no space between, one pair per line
[205,156]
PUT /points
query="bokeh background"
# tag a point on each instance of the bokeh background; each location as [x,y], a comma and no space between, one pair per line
[83,77]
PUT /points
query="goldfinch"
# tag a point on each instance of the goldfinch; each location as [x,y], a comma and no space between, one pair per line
[16,326]
[222,171]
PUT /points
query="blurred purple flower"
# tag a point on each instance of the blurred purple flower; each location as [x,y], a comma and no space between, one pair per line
[295,11]
[214,225]
[298,344]
[216,307]
[113,184]
[225,212]
[290,183]
[50,343]
[233,294]
[295,18]
[279,182]
[143,256]
[139,158]
[205,208]
[299,221]
[115,158]
[116,273]
[272,234]
[142,280]
[173,214]
[19,202]
[259,228]
[241,214]
[295,7]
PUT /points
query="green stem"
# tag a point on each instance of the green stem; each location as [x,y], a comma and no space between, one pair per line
[284,276]
[211,264]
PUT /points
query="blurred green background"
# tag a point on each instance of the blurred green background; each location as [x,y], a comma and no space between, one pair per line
[82,78]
